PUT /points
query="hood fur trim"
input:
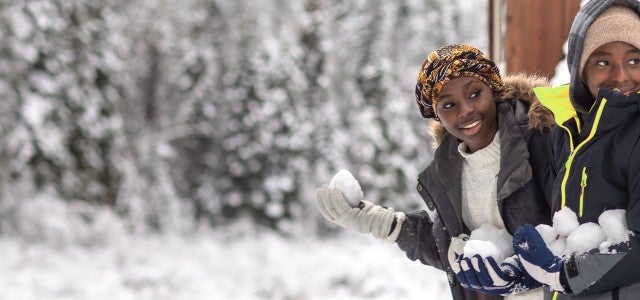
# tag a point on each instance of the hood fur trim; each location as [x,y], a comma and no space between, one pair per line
[517,87]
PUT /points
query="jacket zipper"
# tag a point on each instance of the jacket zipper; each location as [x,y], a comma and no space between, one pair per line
[583,185]
[574,151]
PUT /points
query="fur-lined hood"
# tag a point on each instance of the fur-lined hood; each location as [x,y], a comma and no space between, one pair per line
[517,87]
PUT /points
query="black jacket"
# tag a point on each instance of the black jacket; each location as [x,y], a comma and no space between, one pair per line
[520,189]
[604,168]
[597,159]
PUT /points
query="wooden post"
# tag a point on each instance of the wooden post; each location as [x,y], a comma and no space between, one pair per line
[535,33]
[496,40]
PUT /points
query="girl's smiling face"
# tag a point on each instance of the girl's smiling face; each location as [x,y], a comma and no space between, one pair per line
[613,65]
[466,107]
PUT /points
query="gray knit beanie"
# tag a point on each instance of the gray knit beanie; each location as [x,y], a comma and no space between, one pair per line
[583,40]
[616,23]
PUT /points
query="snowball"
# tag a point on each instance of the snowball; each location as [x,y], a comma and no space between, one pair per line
[485,232]
[499,238]
[349,186]
[614,224]
[586,237]
[483,248]
[565,221]
[559,246]
[547,232]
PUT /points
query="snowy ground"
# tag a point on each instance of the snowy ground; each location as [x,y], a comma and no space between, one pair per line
[216,265]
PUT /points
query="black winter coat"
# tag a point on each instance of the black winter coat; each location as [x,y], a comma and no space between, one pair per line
[598,169]
[522,196]
[597,157]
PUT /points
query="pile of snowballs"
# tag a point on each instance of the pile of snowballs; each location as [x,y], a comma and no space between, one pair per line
[566,236]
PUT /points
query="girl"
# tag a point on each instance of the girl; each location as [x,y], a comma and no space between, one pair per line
[489,133]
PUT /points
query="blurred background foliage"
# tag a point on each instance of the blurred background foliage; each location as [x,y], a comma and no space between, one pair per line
[177,114]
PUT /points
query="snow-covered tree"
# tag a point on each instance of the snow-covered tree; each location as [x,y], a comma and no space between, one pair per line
[60,82]
[175,111]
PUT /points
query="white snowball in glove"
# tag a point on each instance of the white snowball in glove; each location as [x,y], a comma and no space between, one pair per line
[584,238]
[559,246]
[548,233]
[488,240]
[349,186]
[614,224]
[565,221]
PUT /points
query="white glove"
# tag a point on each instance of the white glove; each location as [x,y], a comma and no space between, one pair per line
[366,218]
[456,248]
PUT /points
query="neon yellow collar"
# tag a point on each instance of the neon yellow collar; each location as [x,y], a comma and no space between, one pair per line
[557,100]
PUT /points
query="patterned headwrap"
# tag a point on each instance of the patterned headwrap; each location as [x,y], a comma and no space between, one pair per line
[450,62]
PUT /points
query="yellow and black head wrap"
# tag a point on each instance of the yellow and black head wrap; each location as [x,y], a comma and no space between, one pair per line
[450,62]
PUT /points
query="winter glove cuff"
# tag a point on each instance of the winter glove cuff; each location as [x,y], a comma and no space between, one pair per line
[377,220]
[393,235]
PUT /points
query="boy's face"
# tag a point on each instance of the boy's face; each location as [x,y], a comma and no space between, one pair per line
[613,65]
[466,107]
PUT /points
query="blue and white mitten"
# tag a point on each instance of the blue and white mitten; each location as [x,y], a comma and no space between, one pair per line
[485,275]
[538,260]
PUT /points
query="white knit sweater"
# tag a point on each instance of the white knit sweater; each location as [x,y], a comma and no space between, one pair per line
[479,185]
[480,193]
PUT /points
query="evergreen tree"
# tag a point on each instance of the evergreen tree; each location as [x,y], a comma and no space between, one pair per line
[174,111]
[62,73]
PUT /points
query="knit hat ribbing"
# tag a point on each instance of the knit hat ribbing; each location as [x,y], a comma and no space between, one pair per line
[450,62]
[617,23]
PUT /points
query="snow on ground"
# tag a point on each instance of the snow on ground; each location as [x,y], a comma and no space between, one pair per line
[221,264]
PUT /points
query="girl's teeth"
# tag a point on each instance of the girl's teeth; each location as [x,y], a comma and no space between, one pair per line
[471,125]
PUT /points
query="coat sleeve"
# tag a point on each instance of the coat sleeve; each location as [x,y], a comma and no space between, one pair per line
[540,154]
[594,272]
[417,241]
[597,272]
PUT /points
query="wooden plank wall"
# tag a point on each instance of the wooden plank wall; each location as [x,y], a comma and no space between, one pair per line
[535,33]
